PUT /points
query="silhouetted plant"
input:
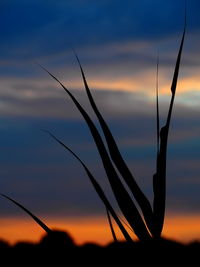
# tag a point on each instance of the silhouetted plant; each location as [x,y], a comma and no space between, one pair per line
[151,224]
[146,223]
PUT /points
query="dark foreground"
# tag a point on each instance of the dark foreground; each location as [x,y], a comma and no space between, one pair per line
[58,249]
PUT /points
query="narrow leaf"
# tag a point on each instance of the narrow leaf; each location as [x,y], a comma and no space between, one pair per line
[35,218]
[159,179]
[118,159]
[111,226]
[97,188]
[123,199]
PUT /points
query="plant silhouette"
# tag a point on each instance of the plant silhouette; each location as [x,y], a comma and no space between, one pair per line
[151,224]
[145,221]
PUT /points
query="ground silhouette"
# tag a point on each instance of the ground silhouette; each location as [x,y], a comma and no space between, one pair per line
[59,249]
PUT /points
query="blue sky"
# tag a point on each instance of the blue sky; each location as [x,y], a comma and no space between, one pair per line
[117,42]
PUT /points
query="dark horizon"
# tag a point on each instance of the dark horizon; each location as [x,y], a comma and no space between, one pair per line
[60,249]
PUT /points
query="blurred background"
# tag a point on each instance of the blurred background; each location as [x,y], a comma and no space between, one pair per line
[117,43]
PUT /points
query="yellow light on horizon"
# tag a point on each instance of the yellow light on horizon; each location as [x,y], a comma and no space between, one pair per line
[182,228]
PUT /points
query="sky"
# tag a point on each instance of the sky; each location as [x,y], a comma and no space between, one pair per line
[117,43]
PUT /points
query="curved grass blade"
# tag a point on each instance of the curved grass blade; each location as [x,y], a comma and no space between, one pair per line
[35,218]
[98,189]
[123,199]
[111,226]
[118,159]
[159,179]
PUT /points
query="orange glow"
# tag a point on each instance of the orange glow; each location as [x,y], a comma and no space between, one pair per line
[121,83]
[81,229]
[93,229]
[143,82]
[185,85]
[182,228]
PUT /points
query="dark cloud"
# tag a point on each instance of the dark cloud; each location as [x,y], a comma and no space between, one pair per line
[47,27]
[41,174]
[111,38]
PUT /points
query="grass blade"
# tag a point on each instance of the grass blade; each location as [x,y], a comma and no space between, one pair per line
[98,189]
[118,159]
[111,226]
[123,199]
[159,179]
[35,218]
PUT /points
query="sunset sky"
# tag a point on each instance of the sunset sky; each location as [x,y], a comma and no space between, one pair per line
[117,43]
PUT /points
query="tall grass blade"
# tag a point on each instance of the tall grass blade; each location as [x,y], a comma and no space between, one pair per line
[123,199]
[118,159]
[111,226]
[159,179]
[35,218]
[97,188]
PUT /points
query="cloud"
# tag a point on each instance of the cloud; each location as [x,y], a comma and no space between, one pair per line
[117,47]
[47,27]
[42,175]
[118,96]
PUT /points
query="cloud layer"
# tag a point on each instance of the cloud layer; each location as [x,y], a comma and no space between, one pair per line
[117,46]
